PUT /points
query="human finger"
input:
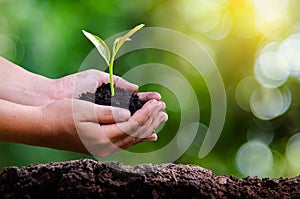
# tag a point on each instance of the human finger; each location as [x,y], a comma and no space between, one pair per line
[118,82]
[142,120]
[123,129]
[89,112]
[154,115]
[160,118]
[146,96]
[153,137]
[110,114]
[121,83]
[147,132]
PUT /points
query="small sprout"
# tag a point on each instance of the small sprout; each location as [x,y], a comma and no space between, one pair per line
[105,52]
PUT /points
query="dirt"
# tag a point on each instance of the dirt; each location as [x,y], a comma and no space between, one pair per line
[90,179]
[122,98]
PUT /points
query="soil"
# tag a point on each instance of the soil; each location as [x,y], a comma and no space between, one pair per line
[90,179]
[122,98]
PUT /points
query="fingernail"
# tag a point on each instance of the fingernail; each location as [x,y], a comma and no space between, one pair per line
[164,117]
[153,137]
[163,105]
[158,95]
[124,114]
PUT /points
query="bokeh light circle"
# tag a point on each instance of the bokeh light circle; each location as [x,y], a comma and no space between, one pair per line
[254,158]
[8,48]
[293,150]
[270,47]
[289,50]
[272,68]
[223,28]
[270,71]
[270,10]
[267,104]
[243,92]
[199,17]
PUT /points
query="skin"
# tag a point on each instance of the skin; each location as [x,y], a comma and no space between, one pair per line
[45,112]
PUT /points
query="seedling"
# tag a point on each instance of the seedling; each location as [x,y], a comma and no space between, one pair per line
[106,53]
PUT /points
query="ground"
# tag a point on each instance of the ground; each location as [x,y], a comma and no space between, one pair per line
[91,179]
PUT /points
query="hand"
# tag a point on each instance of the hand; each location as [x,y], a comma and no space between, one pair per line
[72,86]
[77,127]
[36,90]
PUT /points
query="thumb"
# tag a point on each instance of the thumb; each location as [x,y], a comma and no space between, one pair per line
[121,83]
[109,114]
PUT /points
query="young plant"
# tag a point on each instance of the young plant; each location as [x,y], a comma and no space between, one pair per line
[105,52]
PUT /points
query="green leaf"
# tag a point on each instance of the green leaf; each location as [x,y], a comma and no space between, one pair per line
[120,40]
[100,45]
[117,40]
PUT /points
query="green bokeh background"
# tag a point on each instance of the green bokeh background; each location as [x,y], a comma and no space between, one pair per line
[45,37]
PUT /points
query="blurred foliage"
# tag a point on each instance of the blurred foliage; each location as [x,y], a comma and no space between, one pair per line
[45,37]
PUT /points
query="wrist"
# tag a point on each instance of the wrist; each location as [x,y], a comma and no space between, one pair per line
[62,88]
[42,91]
[58,127]
[23,87]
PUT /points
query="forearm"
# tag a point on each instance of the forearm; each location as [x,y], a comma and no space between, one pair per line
[20,123]
[23,87]
[39,126]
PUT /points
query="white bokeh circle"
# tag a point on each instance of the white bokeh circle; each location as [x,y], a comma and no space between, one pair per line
[254,158]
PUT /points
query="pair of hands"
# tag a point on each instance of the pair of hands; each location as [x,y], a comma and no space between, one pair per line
[72,124]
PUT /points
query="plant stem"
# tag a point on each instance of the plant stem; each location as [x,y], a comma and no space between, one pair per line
[111,79]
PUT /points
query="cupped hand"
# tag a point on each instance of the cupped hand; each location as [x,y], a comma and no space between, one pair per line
[99,130]
[72,86]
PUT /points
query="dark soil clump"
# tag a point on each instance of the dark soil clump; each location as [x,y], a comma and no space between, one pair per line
[91,179]
[122,98]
